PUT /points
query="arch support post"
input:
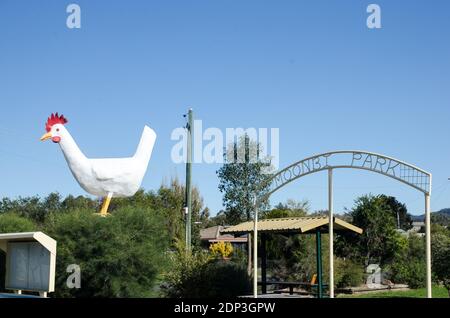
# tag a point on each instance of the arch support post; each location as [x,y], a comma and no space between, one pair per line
[428,243]
[331,230]
[255,252]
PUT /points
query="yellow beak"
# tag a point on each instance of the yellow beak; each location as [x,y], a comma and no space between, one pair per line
[46,136]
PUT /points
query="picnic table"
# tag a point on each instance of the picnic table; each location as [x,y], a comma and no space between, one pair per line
[291,285]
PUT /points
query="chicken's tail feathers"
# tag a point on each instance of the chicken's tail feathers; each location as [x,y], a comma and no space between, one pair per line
[146,144]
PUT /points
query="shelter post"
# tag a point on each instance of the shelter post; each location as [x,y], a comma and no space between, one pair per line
[319,263]
[255,254]
[263,263]
[331,230]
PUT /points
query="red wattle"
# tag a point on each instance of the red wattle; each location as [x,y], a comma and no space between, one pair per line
[56,139]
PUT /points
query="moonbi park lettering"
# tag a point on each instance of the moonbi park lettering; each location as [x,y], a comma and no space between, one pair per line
[351,159]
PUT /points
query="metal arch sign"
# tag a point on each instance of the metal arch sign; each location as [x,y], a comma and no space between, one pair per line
[387,166]
[390,167]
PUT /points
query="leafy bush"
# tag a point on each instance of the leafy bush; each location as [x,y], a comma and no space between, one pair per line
[221,249]
[222,279]
[441,256]
[408,266]
[198,275]
[412,273]
[348,273]
[119,256]
[417,274]
[182,267]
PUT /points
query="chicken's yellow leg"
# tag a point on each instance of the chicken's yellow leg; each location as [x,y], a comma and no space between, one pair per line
[105,205]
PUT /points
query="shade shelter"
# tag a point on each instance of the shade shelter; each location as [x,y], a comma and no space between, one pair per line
[294,225]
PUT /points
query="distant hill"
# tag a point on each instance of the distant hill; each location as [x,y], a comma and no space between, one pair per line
[441,217]
[445,211]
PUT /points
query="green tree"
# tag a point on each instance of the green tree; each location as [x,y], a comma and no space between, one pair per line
[38,209]
[80,202]
[441,254]
[14,223]
[241,178]
[218,219]
[170,202]
[441,217]
[379,241]
[399,211]
[291,208]
[31,207]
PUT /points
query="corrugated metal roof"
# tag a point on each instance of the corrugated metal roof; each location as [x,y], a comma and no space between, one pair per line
[213,235]
[210,232]
[298,224]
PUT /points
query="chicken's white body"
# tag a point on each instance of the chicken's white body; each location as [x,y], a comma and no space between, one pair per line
[113,177]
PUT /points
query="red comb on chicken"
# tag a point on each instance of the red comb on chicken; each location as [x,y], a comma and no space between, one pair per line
[53,120]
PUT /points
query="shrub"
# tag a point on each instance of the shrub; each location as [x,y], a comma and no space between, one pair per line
[412,273]
[183,267]
[417,274]
[441,257]
[198,275]
[119,256]
[348,273]
[223,279]
[408,265]
[221,249]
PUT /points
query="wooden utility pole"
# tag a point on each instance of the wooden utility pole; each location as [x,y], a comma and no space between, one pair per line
[188,199]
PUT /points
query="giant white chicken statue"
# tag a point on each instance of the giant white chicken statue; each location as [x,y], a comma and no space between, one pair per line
[107,178]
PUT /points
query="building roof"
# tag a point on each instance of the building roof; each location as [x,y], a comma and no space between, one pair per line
[210,232]
[301,225]
[213,234]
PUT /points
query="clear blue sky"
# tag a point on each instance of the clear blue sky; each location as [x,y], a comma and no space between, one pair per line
[311,68]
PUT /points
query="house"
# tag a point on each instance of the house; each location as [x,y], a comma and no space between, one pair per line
[417,229]
[417,226]
[212,235]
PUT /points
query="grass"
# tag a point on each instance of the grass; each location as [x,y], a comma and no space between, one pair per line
[438,292]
